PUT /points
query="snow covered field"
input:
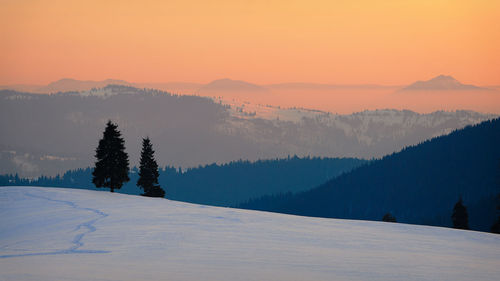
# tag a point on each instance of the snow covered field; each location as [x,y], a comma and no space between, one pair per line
[69,234]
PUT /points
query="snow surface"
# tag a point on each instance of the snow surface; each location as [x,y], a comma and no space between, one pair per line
[71,234]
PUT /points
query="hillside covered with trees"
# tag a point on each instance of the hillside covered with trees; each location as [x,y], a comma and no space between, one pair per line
[419,185]
[61,129]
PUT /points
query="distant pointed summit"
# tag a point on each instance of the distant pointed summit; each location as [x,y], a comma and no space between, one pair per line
[229,85]
[440,83]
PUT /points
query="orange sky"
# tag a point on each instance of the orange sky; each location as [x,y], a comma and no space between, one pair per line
[384,42]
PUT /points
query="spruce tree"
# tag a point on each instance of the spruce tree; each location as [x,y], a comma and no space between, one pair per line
[111,168]
[495,228]
[460,217]
[148,171]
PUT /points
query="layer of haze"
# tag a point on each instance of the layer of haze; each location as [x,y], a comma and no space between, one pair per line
[351,42]
[351,100]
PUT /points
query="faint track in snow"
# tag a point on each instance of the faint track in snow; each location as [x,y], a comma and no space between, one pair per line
[77,240]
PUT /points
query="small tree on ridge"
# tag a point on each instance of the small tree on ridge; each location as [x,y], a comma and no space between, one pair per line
[495,228]
[460,217]
[389,218]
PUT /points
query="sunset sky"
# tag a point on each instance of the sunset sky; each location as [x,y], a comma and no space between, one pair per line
[351,42]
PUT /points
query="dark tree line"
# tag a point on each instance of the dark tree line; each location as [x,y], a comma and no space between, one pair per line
[227,184]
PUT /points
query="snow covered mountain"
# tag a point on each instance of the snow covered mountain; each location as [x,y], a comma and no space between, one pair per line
[68,234]
[49,134]
[364,134]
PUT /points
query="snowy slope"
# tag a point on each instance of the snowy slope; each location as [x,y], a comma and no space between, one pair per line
[69,234]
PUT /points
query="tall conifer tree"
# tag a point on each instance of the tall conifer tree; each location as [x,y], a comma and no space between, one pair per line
[495,228]
[460,217]
[111,168]
[148,171]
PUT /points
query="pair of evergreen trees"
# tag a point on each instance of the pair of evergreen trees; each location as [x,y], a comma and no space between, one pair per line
[460,218]
[112,165]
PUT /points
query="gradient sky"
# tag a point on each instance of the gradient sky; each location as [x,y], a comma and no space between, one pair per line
[383,42]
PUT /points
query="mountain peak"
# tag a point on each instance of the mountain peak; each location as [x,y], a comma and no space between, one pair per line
[440,83]
[227,84]
[443,77]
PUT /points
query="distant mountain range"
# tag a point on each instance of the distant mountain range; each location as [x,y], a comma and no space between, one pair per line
[418,185]
[49,134]
[439,83]
[73,85]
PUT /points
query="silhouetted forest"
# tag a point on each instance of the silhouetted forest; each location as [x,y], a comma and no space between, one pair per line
[220,185]
[420,184]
